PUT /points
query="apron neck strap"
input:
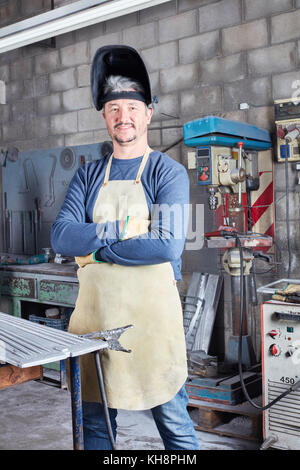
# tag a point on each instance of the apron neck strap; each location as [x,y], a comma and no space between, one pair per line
[140,170]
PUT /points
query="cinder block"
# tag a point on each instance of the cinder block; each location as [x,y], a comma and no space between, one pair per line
[155,83]
[154,138]
[83,75]
[14,91]
[121,23]
[101,135]
[50,142]
[90,119]
[37,86]
[262,117]
[176,27]
[219,15]
[158,12]
[64,123]
[46,63]
[34,6]
[113,38]
[168,106]
[4,73]
[281,239]
[77,54]
[201,101]
[78,98]
[141,36]
[285,26]
[63,80]
[286,85]
[222,69]
[169,136]
[256,92]
[37,127]
[21,69]
[178,78]
[5,113]
[13,131]
[258,9]
[160,57]
[189,4]
[279,184]
[79,138]
[201,47]
[245,36]
[50,104]
[22,110]
[272,59]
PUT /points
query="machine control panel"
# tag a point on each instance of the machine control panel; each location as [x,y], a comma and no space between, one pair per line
[204,170]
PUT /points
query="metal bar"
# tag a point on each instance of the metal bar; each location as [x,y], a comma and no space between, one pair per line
[76,403]
[104,400]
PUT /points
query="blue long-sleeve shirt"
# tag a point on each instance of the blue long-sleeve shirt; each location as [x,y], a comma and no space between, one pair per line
[166,186]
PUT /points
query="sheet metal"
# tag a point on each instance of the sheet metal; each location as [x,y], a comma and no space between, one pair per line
[24,343]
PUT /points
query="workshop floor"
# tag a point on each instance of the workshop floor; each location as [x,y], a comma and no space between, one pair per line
[36,416]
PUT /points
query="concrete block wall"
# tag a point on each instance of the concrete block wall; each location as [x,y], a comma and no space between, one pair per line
[204,57]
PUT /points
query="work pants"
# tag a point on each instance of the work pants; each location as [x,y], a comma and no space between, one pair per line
[172,420]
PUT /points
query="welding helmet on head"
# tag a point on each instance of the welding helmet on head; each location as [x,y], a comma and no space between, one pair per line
[118,60]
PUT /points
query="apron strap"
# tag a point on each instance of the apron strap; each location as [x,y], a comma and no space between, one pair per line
[106,177]
[140,170]
[142,166]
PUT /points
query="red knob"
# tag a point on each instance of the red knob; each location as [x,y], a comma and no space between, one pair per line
[273,333]
[275,350]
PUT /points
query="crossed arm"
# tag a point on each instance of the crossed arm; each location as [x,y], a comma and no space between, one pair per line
[144,242]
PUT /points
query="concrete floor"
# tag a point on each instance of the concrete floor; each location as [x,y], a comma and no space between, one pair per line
[36,416]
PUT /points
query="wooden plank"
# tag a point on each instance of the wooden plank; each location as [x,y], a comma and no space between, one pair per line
[242,408]
[240,421]
[11,375]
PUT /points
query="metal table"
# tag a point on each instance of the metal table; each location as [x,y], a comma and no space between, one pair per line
[26,344]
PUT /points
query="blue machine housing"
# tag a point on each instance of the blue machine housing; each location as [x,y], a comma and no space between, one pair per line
[212,130]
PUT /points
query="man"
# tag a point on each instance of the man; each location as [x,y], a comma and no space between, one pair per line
[123,220]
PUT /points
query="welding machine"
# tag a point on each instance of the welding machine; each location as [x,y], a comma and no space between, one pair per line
[281,371]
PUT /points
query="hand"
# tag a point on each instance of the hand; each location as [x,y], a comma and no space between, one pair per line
[135,227]
[84,260]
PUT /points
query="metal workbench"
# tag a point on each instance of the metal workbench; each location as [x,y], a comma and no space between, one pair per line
[26,344]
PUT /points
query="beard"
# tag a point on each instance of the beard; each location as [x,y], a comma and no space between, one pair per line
[123,140]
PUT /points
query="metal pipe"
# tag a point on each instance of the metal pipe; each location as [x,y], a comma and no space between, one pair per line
[77,421]
[104,400]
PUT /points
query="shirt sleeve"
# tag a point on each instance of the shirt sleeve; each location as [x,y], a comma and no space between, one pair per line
[71,233]
[169,221]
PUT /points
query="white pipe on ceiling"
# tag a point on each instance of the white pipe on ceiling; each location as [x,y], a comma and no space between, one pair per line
[40,27]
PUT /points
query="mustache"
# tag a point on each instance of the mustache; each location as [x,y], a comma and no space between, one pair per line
[124,123]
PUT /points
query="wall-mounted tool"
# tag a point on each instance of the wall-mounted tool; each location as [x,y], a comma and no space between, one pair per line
[26,163]
[51,199]
[67,158]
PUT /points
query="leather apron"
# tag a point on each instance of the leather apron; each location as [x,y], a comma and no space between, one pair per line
[112,296]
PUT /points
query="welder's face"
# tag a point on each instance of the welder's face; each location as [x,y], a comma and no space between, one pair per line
[127,120]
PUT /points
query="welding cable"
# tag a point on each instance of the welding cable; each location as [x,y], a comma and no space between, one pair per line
[104,400]
[290,389]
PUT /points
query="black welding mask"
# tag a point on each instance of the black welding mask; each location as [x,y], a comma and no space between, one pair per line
[118,60]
